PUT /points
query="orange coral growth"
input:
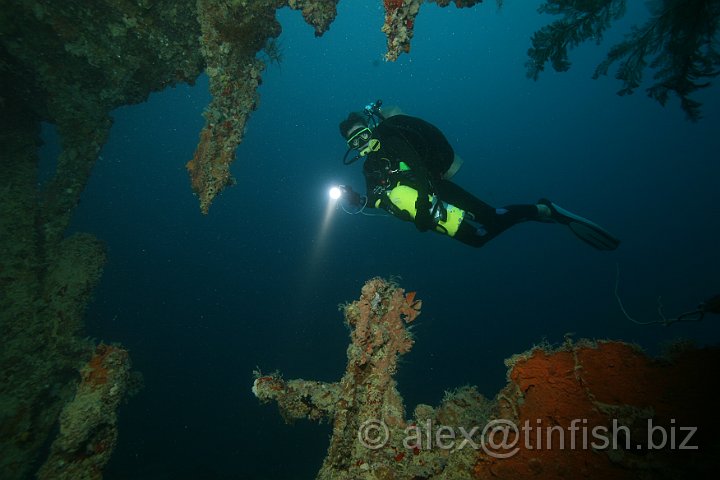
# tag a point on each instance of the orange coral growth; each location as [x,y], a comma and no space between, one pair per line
[546,392]
[412,307]
[88,423]
[269,382]
[621,375]
[98,369]
[392,5]
[210,166]
[378,320]
[618,373]
[592,388]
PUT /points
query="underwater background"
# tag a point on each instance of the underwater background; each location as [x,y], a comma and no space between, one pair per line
[200,301]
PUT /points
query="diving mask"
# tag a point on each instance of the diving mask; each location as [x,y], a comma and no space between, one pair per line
[363,142]
[359,138]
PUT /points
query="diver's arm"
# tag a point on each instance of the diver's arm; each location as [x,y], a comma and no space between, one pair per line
[352,197]
[424,220]
[422,182]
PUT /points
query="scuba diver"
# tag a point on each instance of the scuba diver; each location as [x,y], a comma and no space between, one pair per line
[408,164]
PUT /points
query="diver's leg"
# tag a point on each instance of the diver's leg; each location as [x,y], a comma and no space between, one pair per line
[472,234]
[461,198]
[484,221]
[478,231]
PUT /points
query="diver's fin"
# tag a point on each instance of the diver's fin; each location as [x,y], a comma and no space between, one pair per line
[587,231]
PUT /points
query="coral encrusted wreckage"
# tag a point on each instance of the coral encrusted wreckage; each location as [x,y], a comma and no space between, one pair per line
[578,393]
[88,423]
[233,32]
[70,64]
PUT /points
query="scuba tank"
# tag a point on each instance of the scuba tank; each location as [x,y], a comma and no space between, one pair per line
[404,198]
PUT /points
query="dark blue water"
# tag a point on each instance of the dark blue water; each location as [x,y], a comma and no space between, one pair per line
[200,301]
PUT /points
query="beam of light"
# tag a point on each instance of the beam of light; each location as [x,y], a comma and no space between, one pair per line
[335,195]
[315,267]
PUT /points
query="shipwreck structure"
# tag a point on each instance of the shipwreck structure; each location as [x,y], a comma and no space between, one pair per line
[584,410]
[71,63]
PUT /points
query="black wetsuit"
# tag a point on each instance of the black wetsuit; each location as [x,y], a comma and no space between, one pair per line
[428,154]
